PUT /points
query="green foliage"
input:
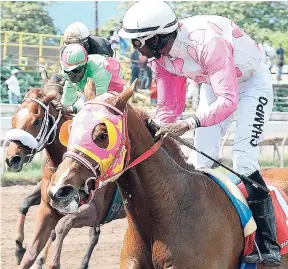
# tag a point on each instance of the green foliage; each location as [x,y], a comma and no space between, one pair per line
[114,23]
[269,15]
[24,16]
[29,17]
[280,98]
[109,25]
[261,20]
[27,79]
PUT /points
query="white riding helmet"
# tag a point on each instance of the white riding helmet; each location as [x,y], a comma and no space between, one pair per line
[76,33]
[148,19]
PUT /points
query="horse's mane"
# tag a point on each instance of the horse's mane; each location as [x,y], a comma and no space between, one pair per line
[56,78]
[35,93]
[169,143]
[38,93]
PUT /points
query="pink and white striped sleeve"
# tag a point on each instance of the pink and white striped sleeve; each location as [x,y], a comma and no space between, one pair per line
[216,58]
[171,94]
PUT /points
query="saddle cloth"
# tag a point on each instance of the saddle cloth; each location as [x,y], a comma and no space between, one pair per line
[236,191]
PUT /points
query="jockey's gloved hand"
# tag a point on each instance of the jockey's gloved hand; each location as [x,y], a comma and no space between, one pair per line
[175,129]
[67,111]
[152,126]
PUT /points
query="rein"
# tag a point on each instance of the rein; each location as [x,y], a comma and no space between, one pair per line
[44,134]
[189,145]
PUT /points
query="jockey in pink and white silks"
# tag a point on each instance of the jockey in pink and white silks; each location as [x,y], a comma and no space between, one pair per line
[217,53]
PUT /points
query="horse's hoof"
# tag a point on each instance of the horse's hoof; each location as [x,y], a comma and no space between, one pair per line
[19,252]
[54,267]
[38,264]
[84,266]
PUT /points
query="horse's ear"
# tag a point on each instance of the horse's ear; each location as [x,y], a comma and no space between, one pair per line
[44,76]
[124,96]
[90,89]
[49,97]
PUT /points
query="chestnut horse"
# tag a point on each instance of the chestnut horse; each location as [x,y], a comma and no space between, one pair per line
[29,118]
[18,154]
[97,208]
[176,217]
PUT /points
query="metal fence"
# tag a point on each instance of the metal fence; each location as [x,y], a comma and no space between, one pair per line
[31,49]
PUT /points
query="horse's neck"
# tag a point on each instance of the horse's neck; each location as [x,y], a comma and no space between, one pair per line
[56,150]
[154,185]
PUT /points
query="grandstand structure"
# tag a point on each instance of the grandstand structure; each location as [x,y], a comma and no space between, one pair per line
[31,51]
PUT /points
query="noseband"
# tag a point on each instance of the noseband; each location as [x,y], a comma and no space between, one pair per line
[42,138]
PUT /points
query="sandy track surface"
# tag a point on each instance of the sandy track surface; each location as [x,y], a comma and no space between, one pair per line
[106,253]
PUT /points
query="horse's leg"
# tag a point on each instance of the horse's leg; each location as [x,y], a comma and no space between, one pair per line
[94,237]
[42,257]
[84,218]
[34,198]
[134,253]
[45,223]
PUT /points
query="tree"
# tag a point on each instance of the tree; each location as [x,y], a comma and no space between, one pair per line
[109,25]
[29,17]
[261,20]
[114,23]
[266,14]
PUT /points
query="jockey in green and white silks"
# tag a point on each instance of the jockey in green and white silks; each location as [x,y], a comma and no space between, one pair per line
[77,66]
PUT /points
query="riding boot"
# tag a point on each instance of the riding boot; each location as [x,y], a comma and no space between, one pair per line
[263,213]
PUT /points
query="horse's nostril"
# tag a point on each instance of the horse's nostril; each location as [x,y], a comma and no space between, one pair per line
[64,192]
[14,161]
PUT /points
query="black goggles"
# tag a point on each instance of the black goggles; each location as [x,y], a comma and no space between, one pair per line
[77,70]
[138,43]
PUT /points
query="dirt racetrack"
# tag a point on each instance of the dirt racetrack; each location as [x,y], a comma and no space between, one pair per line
[106,253]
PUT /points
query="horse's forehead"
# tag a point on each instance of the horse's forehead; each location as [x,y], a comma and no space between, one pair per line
[22,113]
[103,97]
[32,106]
[34,92]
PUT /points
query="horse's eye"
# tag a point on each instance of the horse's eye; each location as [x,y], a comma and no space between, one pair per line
[37,122]
[102,137]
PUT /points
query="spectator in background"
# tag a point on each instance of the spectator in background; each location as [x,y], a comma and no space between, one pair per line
[134,65]
[270,54]
[262,49]
[145,73]
[153,89]
[123,46]
[114,41]
[280,61]
[13,87]
[192,95]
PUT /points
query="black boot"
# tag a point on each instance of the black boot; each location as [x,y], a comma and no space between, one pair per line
[263,213]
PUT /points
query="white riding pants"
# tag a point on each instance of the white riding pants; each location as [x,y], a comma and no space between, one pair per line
[253,111]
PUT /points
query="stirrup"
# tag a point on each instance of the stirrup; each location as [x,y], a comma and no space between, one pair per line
[257,252]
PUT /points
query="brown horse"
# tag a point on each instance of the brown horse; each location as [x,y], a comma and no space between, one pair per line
[18,154]
[175,216]
[98,209]
[34,113]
